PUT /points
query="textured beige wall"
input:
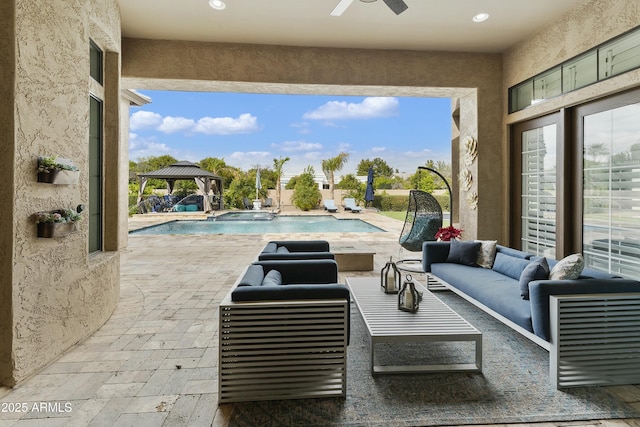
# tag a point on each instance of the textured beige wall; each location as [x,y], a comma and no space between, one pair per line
[582,29]
[476,78]
[59,294]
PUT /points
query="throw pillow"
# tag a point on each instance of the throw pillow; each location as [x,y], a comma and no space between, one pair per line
[487,253]
[509,266]
[536,270]
[465,253]
[282,250]
[272,278]
[568,268]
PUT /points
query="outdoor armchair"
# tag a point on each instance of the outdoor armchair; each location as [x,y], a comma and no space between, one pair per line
[296,249]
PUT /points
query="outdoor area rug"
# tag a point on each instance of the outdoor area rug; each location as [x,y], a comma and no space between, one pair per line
[514,386]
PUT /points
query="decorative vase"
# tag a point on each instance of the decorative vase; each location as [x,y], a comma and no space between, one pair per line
[408,297]
[390,278]
[49,230]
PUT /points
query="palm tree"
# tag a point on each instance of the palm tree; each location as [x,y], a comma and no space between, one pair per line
[277,167]
[329,166]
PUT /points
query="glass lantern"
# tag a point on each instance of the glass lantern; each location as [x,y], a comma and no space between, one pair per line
[390,278]
[409,296]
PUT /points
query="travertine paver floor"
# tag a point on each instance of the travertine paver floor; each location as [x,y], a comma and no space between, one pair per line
[153,363]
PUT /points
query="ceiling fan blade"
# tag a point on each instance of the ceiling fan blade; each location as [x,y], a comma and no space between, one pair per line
[341,7]
[398,6]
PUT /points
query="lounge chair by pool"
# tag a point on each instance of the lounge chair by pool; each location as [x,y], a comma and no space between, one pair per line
[350,205]
[330,205]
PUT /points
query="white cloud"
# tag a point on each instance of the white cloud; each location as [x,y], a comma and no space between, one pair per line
[297,146]
[248,159]
[141,147]
[378,149]
[176,124]
[369,108]
[245,123]
[145,120]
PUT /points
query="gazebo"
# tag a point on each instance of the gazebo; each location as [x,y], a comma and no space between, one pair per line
[205,180]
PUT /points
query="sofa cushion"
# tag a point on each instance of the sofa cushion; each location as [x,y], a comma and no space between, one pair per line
[509,266]
[270,248]
[272,278]
[536,270]
[282,250]
[253,276]
[487,253]
[513,252]
[465,253]
[494,290]
[568,268]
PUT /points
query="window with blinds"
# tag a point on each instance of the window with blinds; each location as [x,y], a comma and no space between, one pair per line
[538,180]
[611,191]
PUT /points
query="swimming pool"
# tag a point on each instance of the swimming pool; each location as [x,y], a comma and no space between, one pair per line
[280,224]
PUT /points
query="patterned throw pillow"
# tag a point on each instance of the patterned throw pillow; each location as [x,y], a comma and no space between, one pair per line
[568,268]
[487,253]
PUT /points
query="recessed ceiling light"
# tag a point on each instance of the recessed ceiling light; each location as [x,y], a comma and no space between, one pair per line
[217,4]
[481,17]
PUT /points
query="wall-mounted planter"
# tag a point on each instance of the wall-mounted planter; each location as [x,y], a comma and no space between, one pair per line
[59,177]
[54,170]
[55,229]
[57,223]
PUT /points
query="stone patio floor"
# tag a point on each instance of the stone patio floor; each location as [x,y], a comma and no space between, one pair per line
[154,362]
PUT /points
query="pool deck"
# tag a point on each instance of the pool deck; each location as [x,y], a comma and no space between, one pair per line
[154,362]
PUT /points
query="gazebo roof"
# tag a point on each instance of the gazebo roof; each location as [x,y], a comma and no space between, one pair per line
[180,170]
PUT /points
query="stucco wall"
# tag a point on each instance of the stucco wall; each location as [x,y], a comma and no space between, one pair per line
[477,78]
[59,294]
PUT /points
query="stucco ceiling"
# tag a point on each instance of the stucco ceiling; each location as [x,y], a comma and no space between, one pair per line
[426,25]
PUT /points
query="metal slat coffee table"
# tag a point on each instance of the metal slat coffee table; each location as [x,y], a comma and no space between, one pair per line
[434,321]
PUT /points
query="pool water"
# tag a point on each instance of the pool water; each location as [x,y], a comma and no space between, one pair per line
[280,224]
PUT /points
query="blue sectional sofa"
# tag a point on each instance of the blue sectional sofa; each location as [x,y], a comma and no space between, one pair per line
[497,289]
[283,332]
[295,249]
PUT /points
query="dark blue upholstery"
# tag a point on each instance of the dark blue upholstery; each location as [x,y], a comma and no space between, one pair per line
[501,292]
[313,279]
[494,290]
[541,290]
[509,266]
[296,249]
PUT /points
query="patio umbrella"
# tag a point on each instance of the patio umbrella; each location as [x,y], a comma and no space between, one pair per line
[258,183]
[368,195]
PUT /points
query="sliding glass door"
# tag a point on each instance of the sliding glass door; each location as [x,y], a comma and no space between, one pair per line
[611,190]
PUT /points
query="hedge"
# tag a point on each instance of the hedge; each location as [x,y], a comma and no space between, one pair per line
[386,202]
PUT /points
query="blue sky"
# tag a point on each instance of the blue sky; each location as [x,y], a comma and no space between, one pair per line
[249,130]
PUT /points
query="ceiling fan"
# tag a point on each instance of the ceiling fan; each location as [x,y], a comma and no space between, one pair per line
[397,6]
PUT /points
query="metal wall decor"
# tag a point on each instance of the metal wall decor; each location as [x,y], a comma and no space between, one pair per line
[390,278]
[408,297]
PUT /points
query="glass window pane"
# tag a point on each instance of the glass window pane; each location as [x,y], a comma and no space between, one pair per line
[95,175]
[539,190]
[95,62]
[521,96]
[611,223]
[620,55]
[580,72]
[547,85]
